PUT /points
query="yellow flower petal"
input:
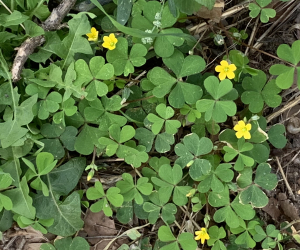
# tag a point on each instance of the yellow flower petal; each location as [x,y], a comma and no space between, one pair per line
[237,127]
[224,63]
[219,68]
[93,30]
[232,67]
[242,123]
[106,39]
[112,47]
[230,75]
[247,135]
[248,126]
[222,76]
[239,134]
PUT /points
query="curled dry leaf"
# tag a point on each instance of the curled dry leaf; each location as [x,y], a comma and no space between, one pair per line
[214,14]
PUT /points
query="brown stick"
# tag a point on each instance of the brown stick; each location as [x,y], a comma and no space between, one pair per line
[53,22]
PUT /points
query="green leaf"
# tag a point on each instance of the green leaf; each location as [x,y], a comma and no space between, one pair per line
[73,42]
[257,92]
[76,243]
[276,136]
[32,29]
[66,214]
[165,234]
[255,196]
[285,73]
[219,199]
[6,219]
[123,11]
[94,193]
[187,242]
[15,18]
[188,7]
[264,177]
[22,202]
[124,63]
[217,109]
[87,139]
[11,131]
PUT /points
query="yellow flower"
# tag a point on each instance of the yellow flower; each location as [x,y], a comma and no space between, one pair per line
[226,69]
[242,130]
[93,36]
[110,42]
[202,235]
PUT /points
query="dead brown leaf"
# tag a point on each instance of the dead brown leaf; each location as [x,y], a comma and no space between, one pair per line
[272,209]
[97,224]
[33,246]
[214,14]
[288,208]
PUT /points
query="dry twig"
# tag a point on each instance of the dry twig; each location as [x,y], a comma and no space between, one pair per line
[285,179]
[53,22]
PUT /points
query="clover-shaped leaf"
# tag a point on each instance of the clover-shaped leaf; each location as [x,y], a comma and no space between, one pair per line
[163,45]
[215,179]
[201,126]
[44,163]
[156,208]
[102,110]
[183,92]
[242,160]
[276,136]
[216,234]
[186,240]
[267,237]
[246,232]
[219,199]
[77,243]
[263,178]
[49,105]
[146,138]
[131,191]
[231,213]
[87,139]
[286,74]
[190,150]
[112,195]
[220,107]
[166,113]
[124,63]
[154,165]
[191,113]
[257,92]
[169,179]
[92,76]
[241,62]
[132,154]
[68,109]
[265,13]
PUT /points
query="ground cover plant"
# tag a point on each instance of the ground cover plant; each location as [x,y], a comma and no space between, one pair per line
[127,82]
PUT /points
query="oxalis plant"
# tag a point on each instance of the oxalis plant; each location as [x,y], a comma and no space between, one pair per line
[197,140]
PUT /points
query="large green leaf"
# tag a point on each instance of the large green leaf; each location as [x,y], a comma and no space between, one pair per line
[73,42]
[22,202]
[66,214]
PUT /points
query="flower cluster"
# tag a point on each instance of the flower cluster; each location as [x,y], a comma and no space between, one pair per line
[109,41]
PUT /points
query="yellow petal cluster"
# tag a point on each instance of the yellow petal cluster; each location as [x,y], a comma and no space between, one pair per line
[225,70]
[110,42]
[242,130]
[93,36]
[202,235]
